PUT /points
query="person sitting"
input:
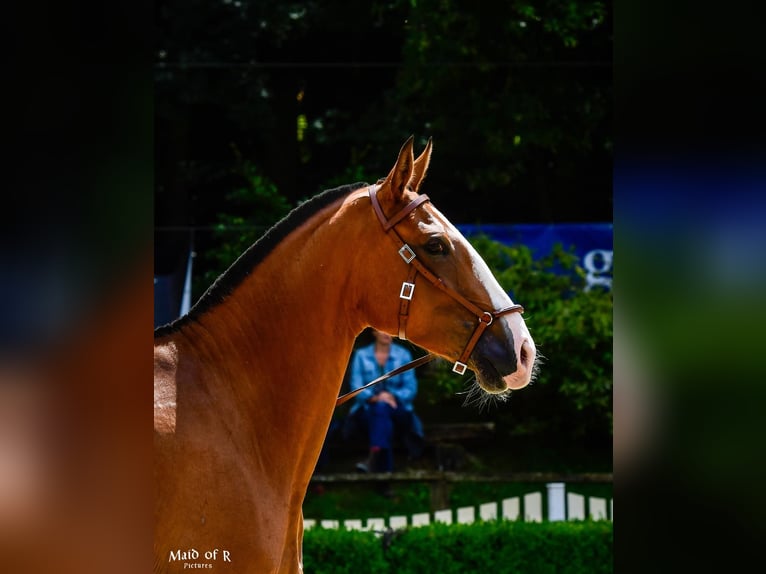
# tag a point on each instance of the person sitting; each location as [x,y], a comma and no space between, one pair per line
[386,408]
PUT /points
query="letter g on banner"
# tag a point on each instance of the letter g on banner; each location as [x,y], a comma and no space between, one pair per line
[598,265]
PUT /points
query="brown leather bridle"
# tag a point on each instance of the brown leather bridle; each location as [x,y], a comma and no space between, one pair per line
[485,318]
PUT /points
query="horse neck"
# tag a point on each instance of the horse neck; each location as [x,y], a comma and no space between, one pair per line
[280,343]
[294,303]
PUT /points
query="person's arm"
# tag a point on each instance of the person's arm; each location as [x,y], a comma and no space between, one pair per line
[357,377]
[406,391]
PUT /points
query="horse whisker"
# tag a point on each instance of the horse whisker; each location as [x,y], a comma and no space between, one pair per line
[476,396]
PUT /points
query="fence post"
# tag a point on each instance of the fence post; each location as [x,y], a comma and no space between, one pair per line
[439,494]
[556,501]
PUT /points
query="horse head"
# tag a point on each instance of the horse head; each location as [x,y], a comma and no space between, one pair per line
[449,301]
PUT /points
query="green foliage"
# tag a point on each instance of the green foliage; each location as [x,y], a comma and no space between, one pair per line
[251,208]
[504,547]
[515,69]
[352,174]
[500,547]
[344,501]
[572,329]
[330,551]
[437,383]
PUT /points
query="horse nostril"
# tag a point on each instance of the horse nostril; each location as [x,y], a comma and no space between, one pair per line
[525,354]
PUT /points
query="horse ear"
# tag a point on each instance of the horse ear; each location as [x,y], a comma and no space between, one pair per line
[401,173]
[421,166]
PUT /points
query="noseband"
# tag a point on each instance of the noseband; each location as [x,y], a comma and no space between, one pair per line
[485,318]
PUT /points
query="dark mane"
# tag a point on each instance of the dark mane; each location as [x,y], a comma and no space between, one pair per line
[246,262]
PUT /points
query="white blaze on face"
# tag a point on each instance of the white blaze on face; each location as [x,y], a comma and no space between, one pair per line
[524,346]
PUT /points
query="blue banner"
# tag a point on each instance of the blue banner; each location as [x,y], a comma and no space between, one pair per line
[591,242]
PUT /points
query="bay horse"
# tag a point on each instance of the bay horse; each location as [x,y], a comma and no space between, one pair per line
[245,384]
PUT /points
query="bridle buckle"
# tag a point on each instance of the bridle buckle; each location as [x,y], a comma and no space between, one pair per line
[459,368]
[408,289]
[407,253]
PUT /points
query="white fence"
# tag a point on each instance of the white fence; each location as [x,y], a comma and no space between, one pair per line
[561,505]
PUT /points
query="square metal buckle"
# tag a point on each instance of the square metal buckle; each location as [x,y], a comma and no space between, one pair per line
[459,368]
[407,290]
[407,253]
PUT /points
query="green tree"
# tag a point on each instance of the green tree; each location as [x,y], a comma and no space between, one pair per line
[251,209]
[572,329]
[517,96]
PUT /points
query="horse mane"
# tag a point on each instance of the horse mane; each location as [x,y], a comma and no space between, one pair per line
[253,255]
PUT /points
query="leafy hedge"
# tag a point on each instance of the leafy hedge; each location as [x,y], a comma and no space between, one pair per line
[500,547]
[331,551]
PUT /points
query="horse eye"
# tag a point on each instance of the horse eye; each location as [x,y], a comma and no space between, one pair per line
[436,247]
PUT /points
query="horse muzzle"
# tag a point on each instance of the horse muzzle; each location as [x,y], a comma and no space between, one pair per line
[506,363]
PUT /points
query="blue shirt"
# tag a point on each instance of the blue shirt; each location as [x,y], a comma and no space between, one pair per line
[365,368]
